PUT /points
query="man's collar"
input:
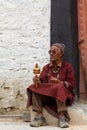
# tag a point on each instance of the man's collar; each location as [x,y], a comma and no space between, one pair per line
[59,65]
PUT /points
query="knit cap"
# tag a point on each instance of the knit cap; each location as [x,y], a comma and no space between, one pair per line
[61,46]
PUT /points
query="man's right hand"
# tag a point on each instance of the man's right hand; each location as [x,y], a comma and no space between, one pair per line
[36,80]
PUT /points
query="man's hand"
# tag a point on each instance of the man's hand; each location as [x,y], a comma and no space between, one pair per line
[36,80]
[56,80]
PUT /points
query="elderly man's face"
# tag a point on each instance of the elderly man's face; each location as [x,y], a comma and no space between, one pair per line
[55,53]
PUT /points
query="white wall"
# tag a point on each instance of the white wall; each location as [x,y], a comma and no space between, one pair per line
[24,41]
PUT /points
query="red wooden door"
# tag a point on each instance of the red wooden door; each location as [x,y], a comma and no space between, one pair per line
[82,30]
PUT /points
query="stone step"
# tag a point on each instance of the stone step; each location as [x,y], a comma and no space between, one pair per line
[78,114]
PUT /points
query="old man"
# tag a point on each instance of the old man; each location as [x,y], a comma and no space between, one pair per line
[55,91]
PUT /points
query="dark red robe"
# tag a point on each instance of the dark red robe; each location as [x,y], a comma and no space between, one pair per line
[55,90]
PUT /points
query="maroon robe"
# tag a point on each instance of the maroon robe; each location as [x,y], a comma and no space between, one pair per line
[55,90]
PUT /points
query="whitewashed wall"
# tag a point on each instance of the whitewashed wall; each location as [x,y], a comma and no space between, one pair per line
[24,41]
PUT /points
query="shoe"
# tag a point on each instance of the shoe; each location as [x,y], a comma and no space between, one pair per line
[62,122]
[38,121]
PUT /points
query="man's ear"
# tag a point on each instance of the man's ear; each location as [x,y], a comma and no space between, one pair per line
[61,54]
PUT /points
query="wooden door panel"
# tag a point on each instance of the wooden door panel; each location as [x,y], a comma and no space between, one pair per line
[82,34]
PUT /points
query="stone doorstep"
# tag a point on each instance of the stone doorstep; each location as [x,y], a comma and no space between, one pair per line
[78,114]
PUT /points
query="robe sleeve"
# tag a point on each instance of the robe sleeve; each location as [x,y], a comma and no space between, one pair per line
[70,77]
[44,75]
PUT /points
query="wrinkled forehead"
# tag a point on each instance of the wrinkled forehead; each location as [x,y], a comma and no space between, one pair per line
[55,48]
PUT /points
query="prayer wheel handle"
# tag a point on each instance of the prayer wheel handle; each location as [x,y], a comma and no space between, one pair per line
[36,71]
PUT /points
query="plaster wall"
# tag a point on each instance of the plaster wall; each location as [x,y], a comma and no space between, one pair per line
[24,41]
